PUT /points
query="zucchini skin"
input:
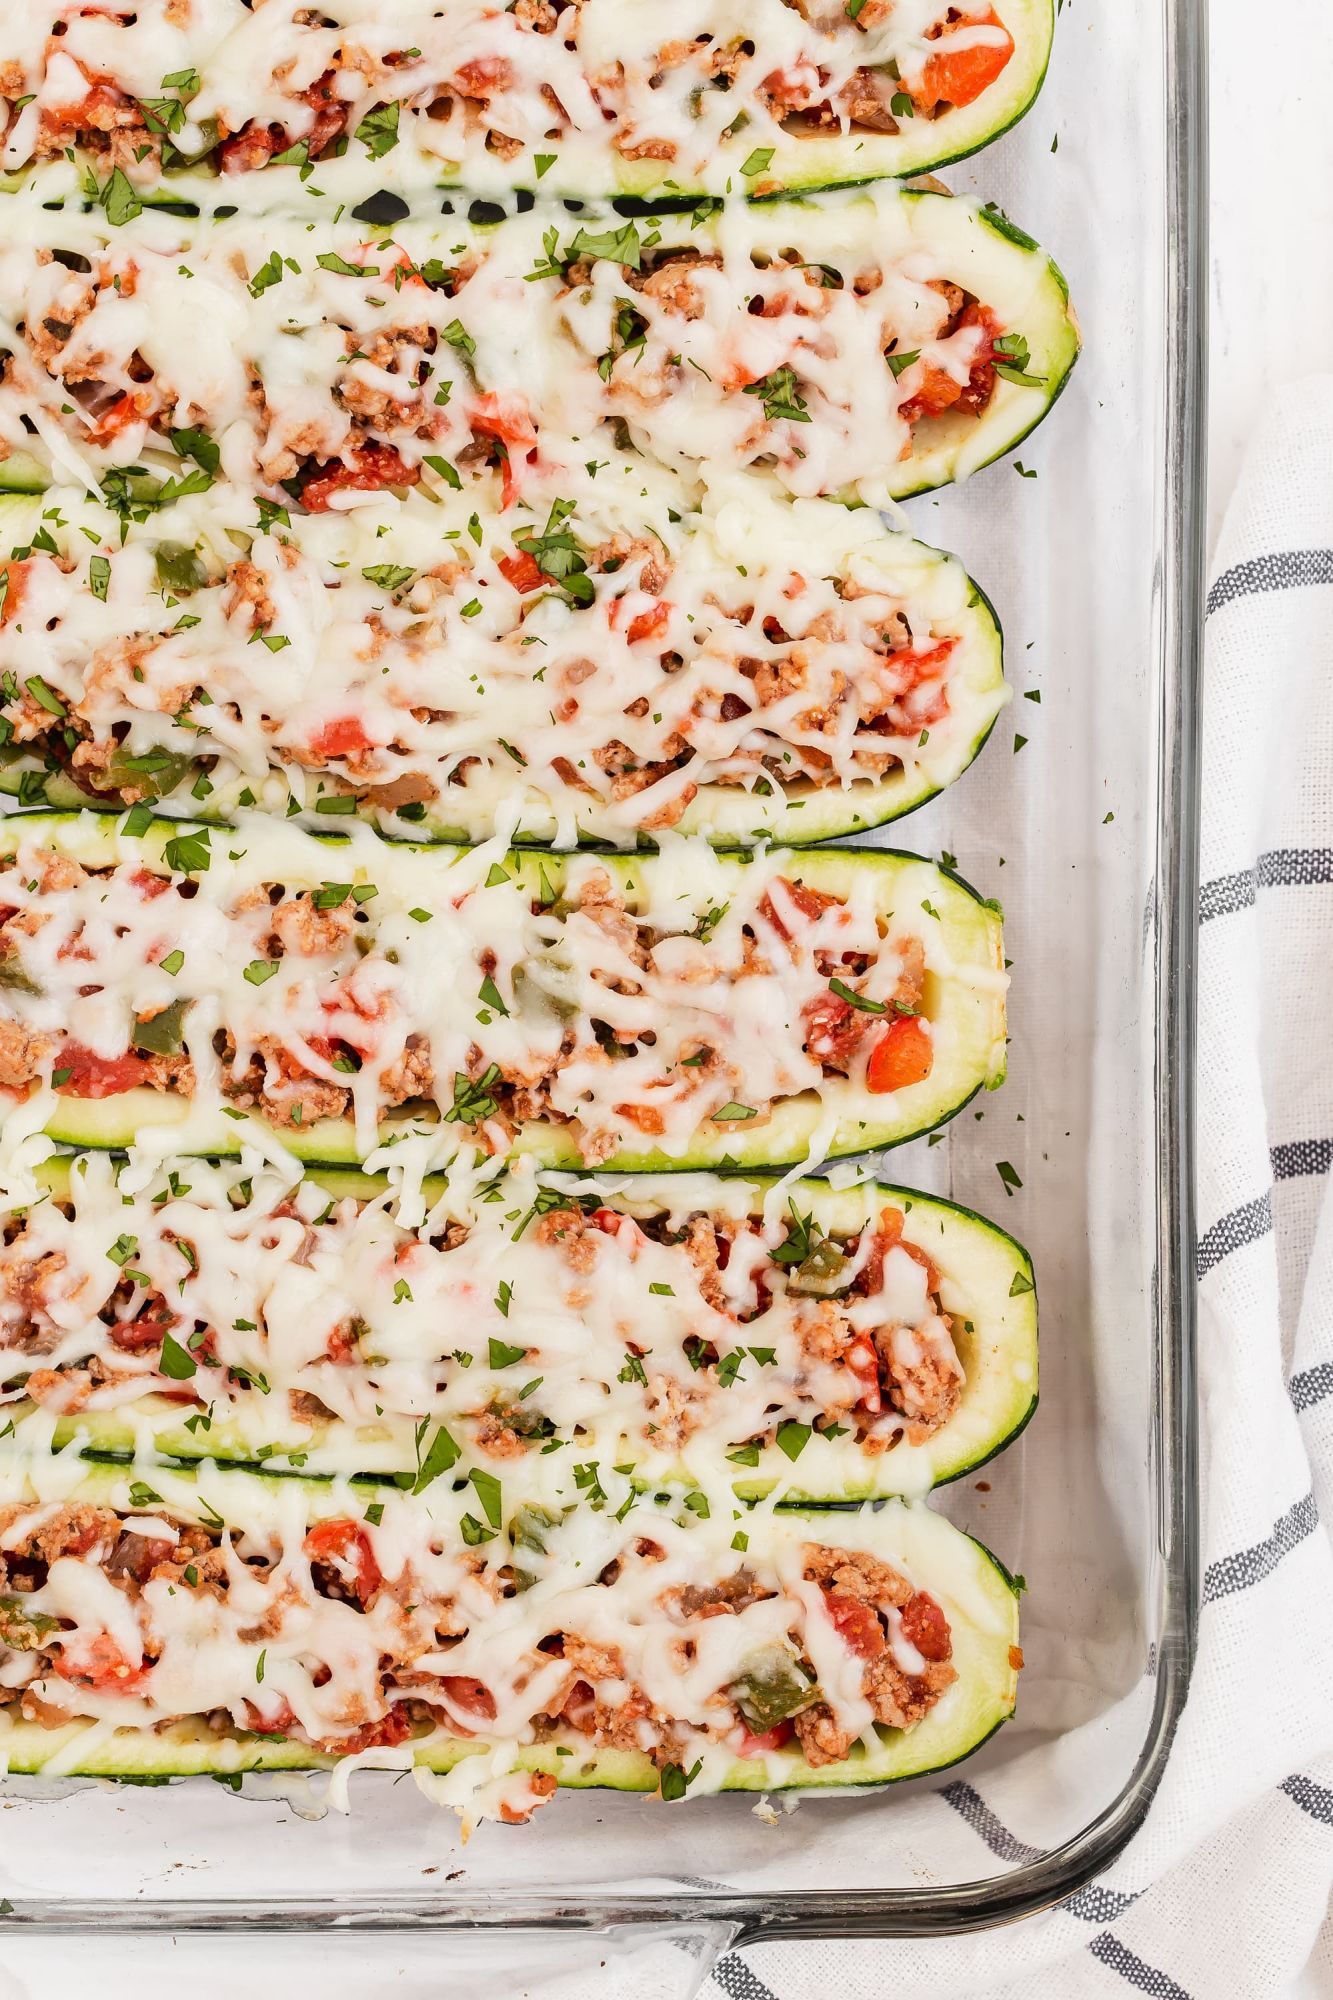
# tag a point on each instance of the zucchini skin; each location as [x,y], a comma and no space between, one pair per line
[1000,1358]
[976,1019]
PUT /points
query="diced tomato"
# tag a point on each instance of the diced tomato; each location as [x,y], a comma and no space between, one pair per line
[473,1697]
[925,666]
[149,885]
[341,1345]
[524,1792]
[402,263]
[810,903]
[137,1336]
[623,1227]
[889,1236]
[904,1054]
[102,1666]
[117,417]
[834,1029]
[14,576]
[959,76]
[863,1362]
[523,571]
[75,948]
[138,1556]
[925,1624]
[939,391]
[580,1706]
[281,1722]
[650,624]
[794,89]
[772,1739]
[506,419]
[373,467]
[97,1076]
[254,145]
[343,737]
[484,78]
[101,108]
[344,1546]
[857,1623]
[644,1117]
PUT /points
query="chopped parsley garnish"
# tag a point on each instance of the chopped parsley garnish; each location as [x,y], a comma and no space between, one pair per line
[855,999]
[442,1453]
[176,1363]
[781,397]
[378,130]
[1014,366]
[559,556]
[474,1099]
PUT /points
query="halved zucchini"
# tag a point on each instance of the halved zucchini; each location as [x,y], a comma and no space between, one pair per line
[484,688]
[963,998]
[621,80]
[974,1591]
[868,370]
[985,1287]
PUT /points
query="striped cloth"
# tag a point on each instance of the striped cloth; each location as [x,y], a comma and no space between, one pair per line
[1225,1893]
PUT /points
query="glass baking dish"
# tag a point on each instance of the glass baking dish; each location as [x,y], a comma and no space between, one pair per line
[1082,817]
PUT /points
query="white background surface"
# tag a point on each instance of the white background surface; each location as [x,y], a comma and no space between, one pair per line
[1271,301]
[1272,214]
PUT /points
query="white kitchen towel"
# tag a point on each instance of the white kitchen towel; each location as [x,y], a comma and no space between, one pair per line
[1225,1893]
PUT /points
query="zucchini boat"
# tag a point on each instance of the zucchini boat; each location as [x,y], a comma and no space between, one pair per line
[858,346]
[761,668]
[716,96]
[845,1346]
[167,1624]
[682,1009]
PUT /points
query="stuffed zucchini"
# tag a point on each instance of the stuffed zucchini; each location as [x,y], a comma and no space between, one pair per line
[859,346]
[843,1345]
[713,96]
[685,1009]
[225,1622]
[762,667]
